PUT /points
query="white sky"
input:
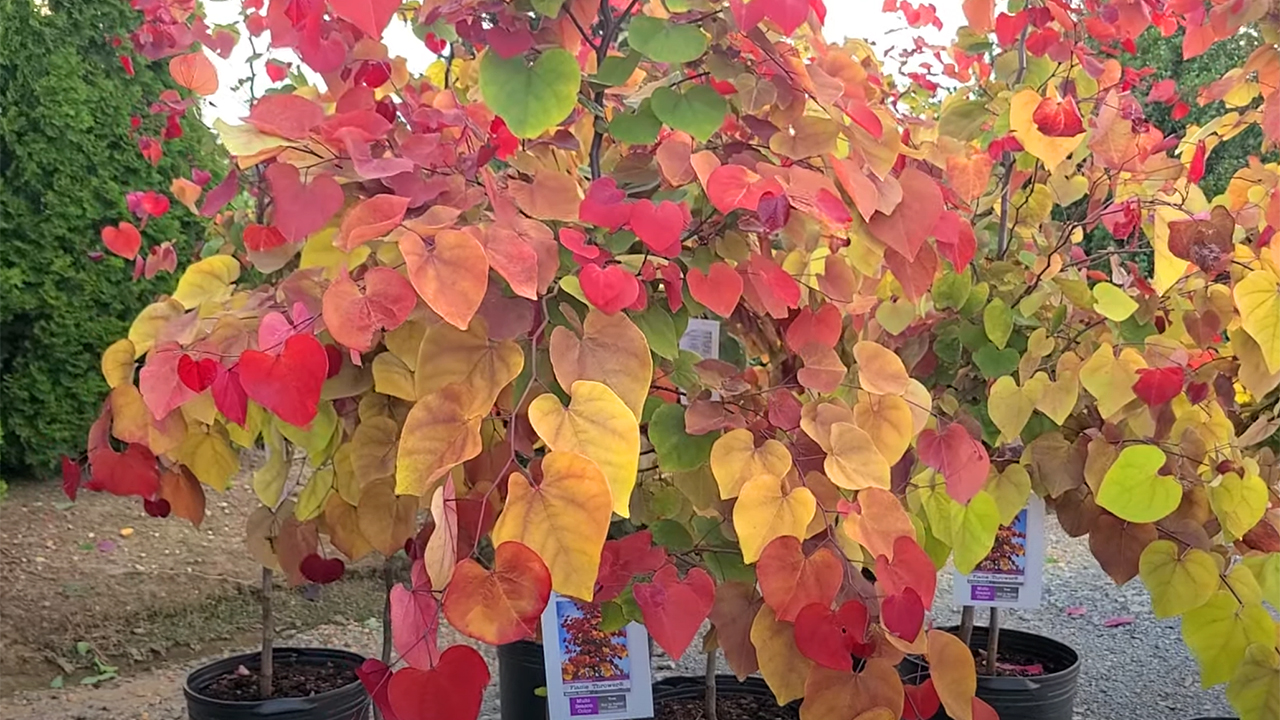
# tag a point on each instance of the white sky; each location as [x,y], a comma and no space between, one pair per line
[845,18]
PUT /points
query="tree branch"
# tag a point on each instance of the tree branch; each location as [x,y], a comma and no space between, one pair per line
[1002,235]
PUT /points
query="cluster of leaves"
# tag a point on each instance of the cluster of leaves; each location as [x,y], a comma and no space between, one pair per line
[481,279]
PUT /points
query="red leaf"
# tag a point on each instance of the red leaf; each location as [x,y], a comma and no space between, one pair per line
[609,289]
[911,222]
[1119,621]
[229,396]
[126,62]
[673,609]
[961,248]
[1165,91]
[501,605]
[605,205]
[820,328]
[1058,118]
[1075,611]
[415,619]
[788,15]
[921,701]
[217,198]
[1180,110]
[1196,170]
[774,210]
[575,241]
[277,70]
[376,676]
[132,472]
[903,614]
[156,508]
[70,477]
[123,240]
[734,187]
[1157,386]
[285,115]
[197,374]
[915,275]
[301,209]
[910,568]
[1009,27]
[320,570]
[719,290]
[260,238]
[789,581]
[621,560]
[354,315]
[660,226]
[962,460]
[859,112]
[775,289]
[371,16]
[831,639]
[287,384]
[452,690]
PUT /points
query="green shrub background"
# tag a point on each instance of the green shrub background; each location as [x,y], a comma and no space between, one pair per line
[66,162]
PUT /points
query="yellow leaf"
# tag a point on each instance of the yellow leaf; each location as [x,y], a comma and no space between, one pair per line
[314,495]
[319,438]
[153,319]
[130,418]
[117,363]
[765,510]
[209,457]
[887,419]
[1112,302]
[973,530]
[440,556]
[208,279]
[1110,379]
[438,435]
[862,695]
[1133,491]
[1239,502]
[319,251]
[735,459]
[1050,150]
[564,520]
[1257,297]
[611,350]
[1266,571]
[1254,690]
[373,448]
[1168,268]
[1221,630]
[817,419]
[1178,581]
[268,480]
[448,355]
[1010,406]
[391,376]
[782,665]
[921,404]
[854,463]
[1010,489]
[953,673]
[386,520]
[1254,375]
[245,140]
[880,371]
[598,426]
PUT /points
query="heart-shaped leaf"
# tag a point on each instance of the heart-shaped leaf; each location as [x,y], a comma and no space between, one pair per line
[665,41]
[123,240]
[287,384]
[831,639]
[903,614]
[530,98]
[501,605]
[300,210]
[354,315]
[452,690]
[609,289]
[322,571]
[789,580]
[674,609]
[719,289]
[696,109]
[197,374]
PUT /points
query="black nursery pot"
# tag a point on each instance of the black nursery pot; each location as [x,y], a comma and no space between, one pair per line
[1044,697]
[349,702]
[727,686]
[521,671]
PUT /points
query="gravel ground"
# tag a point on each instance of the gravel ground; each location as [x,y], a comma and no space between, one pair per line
[1140,671]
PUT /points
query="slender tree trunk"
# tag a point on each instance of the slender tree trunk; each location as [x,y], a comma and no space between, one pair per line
[993,640]
[388,582]
[266,672]
[711,685]
[966,624]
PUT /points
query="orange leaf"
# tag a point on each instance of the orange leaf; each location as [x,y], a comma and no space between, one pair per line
[354,315]
[186,192]
[789,580]
[370,219]
[835,693]
[185,495]
[551,196]
[969,175]
[980,15]
[877,521]
[954,677]
[610,350]
[386,520]
[501,605]
[194,72]
[441,431]
[564,520]
[451,273]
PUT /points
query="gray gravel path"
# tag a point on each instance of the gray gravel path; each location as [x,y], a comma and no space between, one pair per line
[1140,671]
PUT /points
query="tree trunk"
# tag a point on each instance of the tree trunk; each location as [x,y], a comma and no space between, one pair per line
[388,582]
[993,640]
[966,624]
[266,672]
[710,697]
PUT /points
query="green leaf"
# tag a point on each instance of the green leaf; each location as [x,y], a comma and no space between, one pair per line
[1112,302]
[1220,631]
[729,567]
[666,42]
[963,120]
[530,99]
[1178,581]
[678,450]
[995,363]
[1266,570]
[1239,502]
[612,617]
[659,329]
[1254,691]
[997,321]
[616,70]
[974,528]
[57,683]
[639,127]
[951,290]
[312,498]
[1131,490]
[698,110]
[549,8]
[672,535]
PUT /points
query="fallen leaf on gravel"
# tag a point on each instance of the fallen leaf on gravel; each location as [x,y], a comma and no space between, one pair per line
[126,532]
[1075,611]
[1117,621]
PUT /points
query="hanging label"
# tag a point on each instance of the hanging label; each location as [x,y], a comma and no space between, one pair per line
[1012,574]
[702,336]
[592,673]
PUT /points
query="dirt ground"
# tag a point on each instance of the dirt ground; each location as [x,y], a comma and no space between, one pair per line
[147,595]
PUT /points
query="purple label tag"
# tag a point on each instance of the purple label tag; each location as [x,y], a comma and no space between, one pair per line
[583,706]
[984,593]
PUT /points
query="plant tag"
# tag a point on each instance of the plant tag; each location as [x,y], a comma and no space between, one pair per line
[1012,574]
[702,337]
[592,673]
